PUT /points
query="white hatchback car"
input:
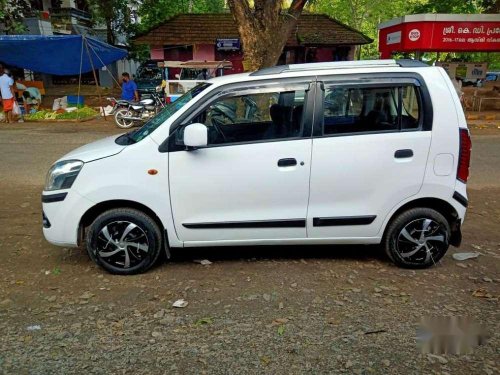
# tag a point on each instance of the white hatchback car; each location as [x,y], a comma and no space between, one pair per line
[362,152]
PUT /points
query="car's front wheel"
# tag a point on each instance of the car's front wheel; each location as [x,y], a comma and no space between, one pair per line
[124,241]
[417,238]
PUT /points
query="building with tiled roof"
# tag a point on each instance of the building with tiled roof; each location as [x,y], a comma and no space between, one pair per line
[214,36]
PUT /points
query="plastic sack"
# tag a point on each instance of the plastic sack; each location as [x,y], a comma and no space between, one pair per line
[106,111]
[60,103]
[16,110]
[57,104]
[64,102]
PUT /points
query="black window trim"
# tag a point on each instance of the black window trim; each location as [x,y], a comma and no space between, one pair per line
[375,80]
[399,85]
[308,85]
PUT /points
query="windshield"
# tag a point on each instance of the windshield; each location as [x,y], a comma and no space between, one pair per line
[148,72]
[166,113]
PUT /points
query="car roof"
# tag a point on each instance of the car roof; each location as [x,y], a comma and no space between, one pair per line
[318,69]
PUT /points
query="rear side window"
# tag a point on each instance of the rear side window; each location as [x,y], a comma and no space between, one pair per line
[410,110]
[352,109]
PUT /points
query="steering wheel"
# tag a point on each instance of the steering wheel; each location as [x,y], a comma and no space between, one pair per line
[216,122]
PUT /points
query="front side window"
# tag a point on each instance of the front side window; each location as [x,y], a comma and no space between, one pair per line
[353,109]
[167,112]
[251,117]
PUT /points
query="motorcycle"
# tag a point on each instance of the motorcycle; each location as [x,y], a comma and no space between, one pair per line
[116,104]
[136,113]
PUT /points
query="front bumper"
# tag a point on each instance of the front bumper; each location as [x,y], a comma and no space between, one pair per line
[62,212]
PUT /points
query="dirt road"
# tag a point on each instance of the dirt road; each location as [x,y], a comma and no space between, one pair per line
[270,310]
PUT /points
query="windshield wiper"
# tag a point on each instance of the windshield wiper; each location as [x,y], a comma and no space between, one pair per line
[126,139]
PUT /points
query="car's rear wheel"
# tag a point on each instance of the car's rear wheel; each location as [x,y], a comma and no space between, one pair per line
[417,238]
[124,241]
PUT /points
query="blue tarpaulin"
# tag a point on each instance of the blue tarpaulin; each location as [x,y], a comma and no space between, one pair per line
[59,55]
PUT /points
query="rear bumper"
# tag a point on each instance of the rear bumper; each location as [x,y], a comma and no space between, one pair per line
[62,213]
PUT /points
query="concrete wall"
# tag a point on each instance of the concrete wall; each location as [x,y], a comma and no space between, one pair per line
[36,26]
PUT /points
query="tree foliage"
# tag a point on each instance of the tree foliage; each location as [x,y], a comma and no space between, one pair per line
[12,13]
[365,15]
[114,14]
[449,6]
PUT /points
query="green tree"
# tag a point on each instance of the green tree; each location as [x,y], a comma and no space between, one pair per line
[365,15]
[449,6]
[12,13]
[114,14]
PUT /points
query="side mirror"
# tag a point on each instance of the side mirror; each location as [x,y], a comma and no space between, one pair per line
[195,135]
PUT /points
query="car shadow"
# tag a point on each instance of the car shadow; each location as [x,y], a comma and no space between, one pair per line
[285,252]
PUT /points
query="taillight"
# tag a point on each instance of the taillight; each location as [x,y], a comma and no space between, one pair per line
[168,100]
[464,156]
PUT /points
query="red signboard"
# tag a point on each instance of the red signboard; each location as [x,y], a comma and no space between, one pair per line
[439,33]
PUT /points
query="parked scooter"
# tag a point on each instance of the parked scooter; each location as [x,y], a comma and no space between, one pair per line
[136,113]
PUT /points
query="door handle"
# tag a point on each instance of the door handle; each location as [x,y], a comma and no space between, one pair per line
[401,154]
[287,162]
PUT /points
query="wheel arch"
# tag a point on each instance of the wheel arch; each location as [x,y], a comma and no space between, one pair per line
[441,206]
[93,212]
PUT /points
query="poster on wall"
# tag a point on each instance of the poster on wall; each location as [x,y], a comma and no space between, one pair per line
[469,71]
[476,71]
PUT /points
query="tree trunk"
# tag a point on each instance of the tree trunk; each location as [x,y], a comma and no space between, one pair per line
[109,31]
[265,29]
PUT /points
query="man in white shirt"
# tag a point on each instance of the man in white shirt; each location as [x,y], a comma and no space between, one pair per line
[7,94]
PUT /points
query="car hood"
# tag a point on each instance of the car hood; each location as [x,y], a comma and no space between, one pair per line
[100,149]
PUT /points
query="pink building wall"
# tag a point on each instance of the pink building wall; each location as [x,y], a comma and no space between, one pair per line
[157,53]
[204,52]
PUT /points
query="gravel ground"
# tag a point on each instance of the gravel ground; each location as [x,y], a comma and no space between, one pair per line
[269,310]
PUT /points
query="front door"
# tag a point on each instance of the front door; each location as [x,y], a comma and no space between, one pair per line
[369,153]
[252,181]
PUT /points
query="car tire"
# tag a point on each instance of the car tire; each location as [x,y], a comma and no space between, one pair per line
[417,238]
[124,241]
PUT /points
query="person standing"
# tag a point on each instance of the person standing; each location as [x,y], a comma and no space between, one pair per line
[7,94]
[129,88]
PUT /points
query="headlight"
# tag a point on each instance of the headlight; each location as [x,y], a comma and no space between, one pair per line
[62,174]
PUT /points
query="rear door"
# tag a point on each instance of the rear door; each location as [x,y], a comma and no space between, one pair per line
[370,146]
